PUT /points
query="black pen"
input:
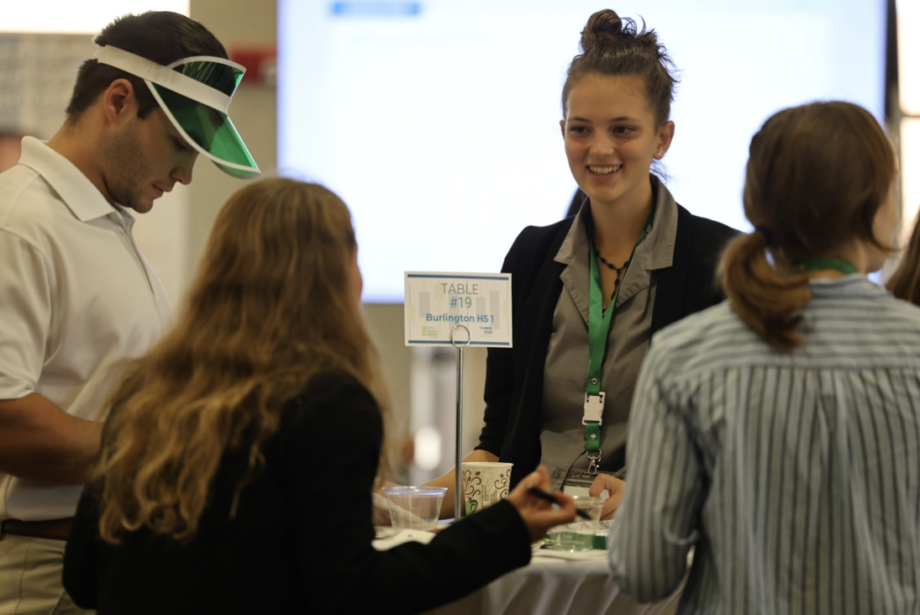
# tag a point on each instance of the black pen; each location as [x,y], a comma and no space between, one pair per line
[537,492]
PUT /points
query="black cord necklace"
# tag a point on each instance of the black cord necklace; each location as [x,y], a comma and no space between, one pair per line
[619,270]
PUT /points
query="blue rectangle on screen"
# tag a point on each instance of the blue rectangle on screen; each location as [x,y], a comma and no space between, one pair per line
[369,8]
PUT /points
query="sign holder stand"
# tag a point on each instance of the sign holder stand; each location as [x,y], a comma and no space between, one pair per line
[458,467]
[437,305]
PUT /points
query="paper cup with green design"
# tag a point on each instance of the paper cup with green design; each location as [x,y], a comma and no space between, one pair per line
[484,483]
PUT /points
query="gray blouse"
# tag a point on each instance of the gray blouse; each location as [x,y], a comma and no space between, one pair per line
[563,435]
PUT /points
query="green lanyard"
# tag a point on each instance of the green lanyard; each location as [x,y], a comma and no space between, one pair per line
[599,323]
[817,264]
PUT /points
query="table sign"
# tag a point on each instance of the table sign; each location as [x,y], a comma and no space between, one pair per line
[459,310]
[437,302]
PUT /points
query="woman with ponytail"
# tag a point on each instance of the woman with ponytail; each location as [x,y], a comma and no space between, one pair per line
[779,432]
[220,486]
[588,292]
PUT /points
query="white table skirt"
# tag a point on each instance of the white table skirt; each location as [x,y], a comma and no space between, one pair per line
[552,586]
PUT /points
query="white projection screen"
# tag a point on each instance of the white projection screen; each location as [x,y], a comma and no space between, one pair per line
[437,121]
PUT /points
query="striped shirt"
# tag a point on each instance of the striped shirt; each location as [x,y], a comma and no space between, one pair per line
[795,476]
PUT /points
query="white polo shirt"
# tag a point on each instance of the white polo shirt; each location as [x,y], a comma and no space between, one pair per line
[76,297]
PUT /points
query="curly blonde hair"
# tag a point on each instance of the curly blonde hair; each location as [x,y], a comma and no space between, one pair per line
[905,283]
[272,306]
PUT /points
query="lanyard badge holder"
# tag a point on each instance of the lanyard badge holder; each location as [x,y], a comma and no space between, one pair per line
[594,409]
[598,326]
[599,323]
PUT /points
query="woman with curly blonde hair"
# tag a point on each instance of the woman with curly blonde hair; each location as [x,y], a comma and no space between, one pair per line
[227,477]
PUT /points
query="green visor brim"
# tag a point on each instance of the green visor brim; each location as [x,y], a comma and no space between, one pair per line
[210,130]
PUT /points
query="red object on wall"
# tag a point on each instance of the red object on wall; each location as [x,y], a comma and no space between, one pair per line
[260,63]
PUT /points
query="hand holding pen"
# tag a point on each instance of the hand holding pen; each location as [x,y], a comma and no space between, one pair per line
[537,516]
[537,492]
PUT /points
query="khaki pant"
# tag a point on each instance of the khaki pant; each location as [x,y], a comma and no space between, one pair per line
[30,578]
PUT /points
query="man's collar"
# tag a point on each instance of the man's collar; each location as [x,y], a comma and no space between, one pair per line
[74,188]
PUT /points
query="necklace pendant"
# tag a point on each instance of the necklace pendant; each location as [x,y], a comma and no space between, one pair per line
[612,267]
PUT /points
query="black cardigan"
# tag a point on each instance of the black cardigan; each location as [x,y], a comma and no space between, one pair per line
[301,538]
[514,377]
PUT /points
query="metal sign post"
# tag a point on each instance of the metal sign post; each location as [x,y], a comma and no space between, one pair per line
[437,305]
[458,473]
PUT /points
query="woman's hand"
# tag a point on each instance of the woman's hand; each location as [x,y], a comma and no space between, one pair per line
[449,480]
[614,487]
[538,515]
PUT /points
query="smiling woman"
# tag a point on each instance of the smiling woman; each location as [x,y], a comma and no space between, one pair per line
[611,136]
[588,292]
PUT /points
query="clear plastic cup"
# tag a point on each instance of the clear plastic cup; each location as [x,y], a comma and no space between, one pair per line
[414,508]
[578,535]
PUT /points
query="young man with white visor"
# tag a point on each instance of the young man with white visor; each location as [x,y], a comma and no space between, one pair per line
[77,296]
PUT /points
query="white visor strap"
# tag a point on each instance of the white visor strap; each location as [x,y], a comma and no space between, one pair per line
[165,76]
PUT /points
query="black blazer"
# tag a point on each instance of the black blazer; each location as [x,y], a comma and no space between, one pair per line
[301,538]
[514,377]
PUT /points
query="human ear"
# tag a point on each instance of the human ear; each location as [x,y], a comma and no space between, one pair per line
[562,127]
[665,135]
[119,103]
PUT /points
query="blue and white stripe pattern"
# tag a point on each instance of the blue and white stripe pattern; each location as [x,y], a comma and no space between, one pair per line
[795,476]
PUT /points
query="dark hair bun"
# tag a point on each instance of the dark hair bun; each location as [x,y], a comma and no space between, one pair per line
[603,28]
[607,29]
[614,45]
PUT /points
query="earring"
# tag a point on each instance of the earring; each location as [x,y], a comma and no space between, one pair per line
[658,155]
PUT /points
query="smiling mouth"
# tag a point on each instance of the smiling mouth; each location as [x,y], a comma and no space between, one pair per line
[604,170]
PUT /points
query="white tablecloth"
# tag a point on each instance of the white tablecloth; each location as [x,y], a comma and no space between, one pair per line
[552,586]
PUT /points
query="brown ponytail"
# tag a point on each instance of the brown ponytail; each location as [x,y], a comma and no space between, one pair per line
[764,298]
[816,176]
